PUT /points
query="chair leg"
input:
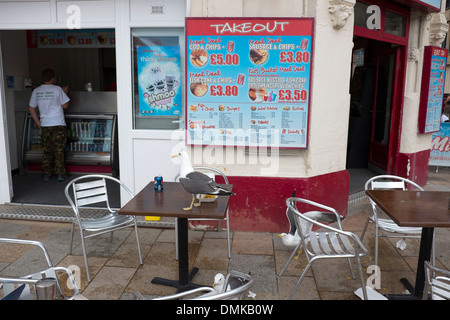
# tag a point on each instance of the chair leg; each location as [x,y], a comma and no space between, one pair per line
[229,239]
[83,246]
[71,237]
[351,268]
[290,258]
[299,280]
[138,243]
[361,276]
[376,245]
[365,228]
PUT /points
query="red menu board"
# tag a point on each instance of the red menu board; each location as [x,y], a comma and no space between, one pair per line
[248,81]
[432,89]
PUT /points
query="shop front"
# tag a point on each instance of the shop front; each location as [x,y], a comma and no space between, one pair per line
[281,97]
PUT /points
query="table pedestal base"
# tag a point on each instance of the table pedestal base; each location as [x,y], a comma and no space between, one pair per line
[426,243]
[177,283]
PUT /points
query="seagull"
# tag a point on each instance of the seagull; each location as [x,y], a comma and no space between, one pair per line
[186,166]
[233,283]
[290,239]
[196,182]
[219,280]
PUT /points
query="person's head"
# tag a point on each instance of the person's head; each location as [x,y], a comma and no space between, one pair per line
[47,75]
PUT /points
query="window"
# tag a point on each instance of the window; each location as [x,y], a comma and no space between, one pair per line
[361,15]
[381,21]
[158,78]
[394,24]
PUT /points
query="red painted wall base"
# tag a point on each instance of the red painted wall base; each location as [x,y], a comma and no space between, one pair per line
[259,203]
[414,166]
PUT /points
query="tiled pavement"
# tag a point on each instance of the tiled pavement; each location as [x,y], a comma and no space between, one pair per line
[116,272]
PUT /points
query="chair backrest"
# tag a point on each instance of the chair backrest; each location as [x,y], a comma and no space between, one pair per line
[437,283]
[246,282]
[24,288]
[10,284]
[208,170]
[90,189]
[30,242]
[312,218]
[307,219]
[390,182]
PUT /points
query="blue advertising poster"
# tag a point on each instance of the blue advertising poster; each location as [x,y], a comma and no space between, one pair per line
[159,79]
[440,147]
[433,3]
[432,89]
[248,81]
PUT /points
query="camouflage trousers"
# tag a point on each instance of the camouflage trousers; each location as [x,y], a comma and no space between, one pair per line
[54,143]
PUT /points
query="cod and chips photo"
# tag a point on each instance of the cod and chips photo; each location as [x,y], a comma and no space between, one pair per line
[199,57]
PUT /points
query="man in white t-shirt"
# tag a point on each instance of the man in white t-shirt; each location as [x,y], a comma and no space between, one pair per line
[444,118]
[51,101]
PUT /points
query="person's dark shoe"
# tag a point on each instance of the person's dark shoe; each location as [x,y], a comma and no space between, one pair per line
[60,178]
[46,178]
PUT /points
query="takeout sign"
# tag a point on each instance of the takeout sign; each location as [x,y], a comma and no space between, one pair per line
[263,27]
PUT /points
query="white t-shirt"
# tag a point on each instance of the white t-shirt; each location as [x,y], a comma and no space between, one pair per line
[49,99]
[444,118]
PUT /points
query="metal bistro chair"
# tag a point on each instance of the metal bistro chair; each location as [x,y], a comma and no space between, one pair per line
[212,172]
[91,189]
[327,243]
[24,288]
[391,229]
[437,285]
[207,293]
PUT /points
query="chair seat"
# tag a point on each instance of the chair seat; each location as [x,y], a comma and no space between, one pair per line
[112,220]
[330,244]
[390,226]
[441,288]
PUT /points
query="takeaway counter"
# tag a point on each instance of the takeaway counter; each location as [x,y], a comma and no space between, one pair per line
[91,137]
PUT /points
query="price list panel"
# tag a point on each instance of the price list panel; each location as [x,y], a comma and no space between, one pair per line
[432,89]
[248,81]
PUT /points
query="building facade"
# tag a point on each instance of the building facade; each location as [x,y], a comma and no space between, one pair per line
[364,95]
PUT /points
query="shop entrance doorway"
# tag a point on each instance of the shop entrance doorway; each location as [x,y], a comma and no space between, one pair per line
[387,98]
[92,135]
[377,85]
[376,98]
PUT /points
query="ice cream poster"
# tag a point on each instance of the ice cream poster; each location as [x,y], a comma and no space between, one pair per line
[159,79]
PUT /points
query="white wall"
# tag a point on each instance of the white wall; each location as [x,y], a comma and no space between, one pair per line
[330,99]
[15,63]
[419,37]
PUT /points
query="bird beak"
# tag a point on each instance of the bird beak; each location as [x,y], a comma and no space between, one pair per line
[174,155]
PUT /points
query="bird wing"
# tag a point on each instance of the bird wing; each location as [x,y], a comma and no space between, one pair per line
[196,186]
[195,175]
[291,218]
[234,283]
[203,178]
[292,226]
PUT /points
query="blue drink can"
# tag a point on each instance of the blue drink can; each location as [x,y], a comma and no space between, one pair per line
[158,183]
